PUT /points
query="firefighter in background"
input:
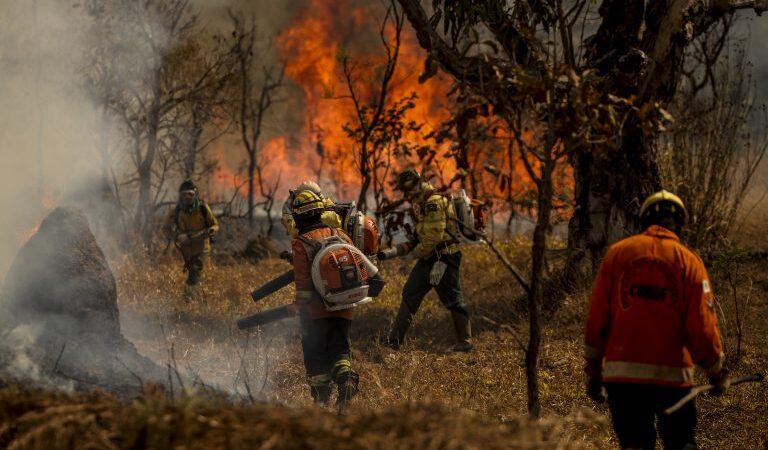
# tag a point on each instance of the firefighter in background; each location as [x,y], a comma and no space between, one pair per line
[329,217]
[325,337]
[191,225]
[651,319]
[438,261]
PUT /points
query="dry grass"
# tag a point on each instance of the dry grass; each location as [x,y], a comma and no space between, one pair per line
[420,397]
[42,420]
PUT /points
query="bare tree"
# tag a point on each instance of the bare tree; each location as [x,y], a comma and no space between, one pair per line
[540,161]
[257,87]
[372,114]
[637,51]
[151,86]
[711,155]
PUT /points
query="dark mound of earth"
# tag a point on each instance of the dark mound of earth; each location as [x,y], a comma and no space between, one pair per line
[59,317]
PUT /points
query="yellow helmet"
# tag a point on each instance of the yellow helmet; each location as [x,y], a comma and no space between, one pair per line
[307,202]
[309,185]
[664,201]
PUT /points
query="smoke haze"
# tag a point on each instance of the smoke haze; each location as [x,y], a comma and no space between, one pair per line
[46,123]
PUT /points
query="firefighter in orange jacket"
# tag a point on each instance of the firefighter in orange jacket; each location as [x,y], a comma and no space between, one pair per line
[324,334]
[651,319]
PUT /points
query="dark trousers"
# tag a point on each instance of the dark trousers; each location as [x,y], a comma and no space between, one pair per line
[635,409]
[449,289]
[324,342]
[194,265]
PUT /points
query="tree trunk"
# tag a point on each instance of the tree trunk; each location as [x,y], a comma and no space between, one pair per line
[251,187]
[145,207]
[365,175]
[143,212]
[190,160]
[538,251]
[270,221]
[610,185]
[609,189]
[462,154]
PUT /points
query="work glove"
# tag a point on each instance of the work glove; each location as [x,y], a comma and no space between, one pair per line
[387,254]
[183,238]
[720,380]
[287,255]
[437,272]
[595,389]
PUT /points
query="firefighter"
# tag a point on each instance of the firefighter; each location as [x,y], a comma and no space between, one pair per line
[191,225]
[329,217]
[651,319]
[325,337]
[438,261]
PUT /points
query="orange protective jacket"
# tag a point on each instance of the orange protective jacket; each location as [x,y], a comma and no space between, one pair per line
[307,298]
[652,314]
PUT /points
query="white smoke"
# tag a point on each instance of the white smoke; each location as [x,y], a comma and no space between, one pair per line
[53,133]
[23,366]
[49,128]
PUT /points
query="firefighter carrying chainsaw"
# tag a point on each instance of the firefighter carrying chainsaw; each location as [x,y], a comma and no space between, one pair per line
[651,319]
[191,226]
[332,276]
[438,260]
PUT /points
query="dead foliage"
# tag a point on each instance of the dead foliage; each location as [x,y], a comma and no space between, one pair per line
[40,420]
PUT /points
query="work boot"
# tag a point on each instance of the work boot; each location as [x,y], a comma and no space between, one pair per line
[320,388]
[400,327]
[190,292]
[463,332]
[347,383]
[321,394]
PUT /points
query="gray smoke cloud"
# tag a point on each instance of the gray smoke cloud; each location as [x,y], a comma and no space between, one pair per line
[756,29]
[46,122]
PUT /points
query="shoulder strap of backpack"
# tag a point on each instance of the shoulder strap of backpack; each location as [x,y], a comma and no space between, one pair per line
[312,246]
[201,208]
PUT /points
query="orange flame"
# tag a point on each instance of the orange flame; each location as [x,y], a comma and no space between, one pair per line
[312,45]
[47,202]
[321,150]
[225,179]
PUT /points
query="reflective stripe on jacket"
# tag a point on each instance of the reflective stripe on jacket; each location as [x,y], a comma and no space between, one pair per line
[652,313]
[307,297]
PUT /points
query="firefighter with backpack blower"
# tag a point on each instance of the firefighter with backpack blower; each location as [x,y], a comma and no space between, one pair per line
[191,226]
[331,276]
[438,260]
